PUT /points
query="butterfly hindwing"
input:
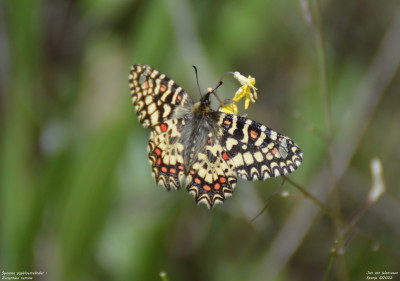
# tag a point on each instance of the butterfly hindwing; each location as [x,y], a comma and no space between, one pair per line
[211,178]
[166,153]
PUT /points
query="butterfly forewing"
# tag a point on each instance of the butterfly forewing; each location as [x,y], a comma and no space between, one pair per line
[257,152]
[155,96]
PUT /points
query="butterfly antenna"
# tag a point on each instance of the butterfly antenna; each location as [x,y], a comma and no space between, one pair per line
[197,80]
[214,91]
[218,85]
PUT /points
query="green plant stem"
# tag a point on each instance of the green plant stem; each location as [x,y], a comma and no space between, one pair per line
[347,227]
[326,210]
[330,262]
[323,68]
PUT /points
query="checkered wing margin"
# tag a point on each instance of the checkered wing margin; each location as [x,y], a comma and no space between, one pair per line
[166,153]
[256,151]
[211,178]
[155,96]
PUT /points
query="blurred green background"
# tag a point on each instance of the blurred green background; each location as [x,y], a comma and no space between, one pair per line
[77,199]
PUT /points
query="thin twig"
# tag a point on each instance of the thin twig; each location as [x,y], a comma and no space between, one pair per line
[347,226]
[315,200]
[269,200]
[328,269]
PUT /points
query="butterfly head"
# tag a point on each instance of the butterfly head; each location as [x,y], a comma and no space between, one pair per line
[203,105]
[205,99]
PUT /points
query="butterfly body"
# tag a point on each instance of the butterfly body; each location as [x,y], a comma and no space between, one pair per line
[205,150]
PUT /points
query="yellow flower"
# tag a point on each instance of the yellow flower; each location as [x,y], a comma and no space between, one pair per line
[229,107]
[247,91]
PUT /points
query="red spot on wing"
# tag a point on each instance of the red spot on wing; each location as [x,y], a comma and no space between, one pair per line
[207,188]
[217,186]
[164,127]
[222,180]
[225,156]
[163,88]
[164,169]
[145,85]
[158,161]
[197,180]
[181,167]
[227,122]
[172,171]
[253,134]
[157,151]
[275,150]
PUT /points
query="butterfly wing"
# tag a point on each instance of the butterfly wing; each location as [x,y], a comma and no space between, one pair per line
[166,153]
[237,146]
[211,178]
[162,104]
[156,97]
[256,151]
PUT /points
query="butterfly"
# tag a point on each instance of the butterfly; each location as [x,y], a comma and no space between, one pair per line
[193,146]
